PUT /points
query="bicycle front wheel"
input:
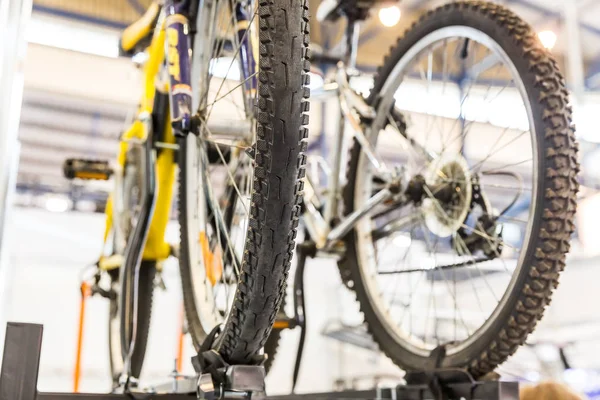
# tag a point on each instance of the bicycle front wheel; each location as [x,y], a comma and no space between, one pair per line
[240,189]
[474,113]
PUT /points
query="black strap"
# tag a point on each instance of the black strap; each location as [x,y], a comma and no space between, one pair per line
[436,357]
[208,360]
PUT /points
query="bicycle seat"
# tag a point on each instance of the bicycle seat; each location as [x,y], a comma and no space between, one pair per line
[331,10]
[136,37]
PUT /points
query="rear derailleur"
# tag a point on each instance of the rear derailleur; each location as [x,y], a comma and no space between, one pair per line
[485,235]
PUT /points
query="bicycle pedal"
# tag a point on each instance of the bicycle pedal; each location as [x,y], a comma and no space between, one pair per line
[110,262]
[87,169]
[283,322]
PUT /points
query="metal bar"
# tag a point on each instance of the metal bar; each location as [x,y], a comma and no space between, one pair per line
[359,394]
[316,225]
[353,99]
[552,14]
[350,220]
[331,206]
[237,129]
[202,51]
[396,225]
[359,134]
[328,91]
[112,396]
[492,390]
[13,22]
[21,361]
[352,37]
[575,68]
[372,33]
[79,17]
[482,66]
[139,8]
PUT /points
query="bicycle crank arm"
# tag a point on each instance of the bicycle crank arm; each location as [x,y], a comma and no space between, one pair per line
[348,223]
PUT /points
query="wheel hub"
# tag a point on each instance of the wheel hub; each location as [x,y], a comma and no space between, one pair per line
[444,215]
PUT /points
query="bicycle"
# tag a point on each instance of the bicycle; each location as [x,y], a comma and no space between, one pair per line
[455,214]
[453,205]
[242,66]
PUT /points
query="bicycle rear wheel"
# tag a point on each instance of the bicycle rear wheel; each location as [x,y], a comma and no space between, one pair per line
[239,198]
[473,269]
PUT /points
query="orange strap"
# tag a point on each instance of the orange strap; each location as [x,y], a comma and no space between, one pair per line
[86,291]
[180,341]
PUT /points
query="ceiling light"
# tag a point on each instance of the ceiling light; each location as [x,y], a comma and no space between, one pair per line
[389,16]
[57,204]
[548,39]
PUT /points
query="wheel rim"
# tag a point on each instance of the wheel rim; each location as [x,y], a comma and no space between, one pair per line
[370,255]
[219,170]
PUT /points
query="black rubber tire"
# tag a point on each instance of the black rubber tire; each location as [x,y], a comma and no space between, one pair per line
[272,344]
[557,187]
[271,347]
[275,203]
[144,315]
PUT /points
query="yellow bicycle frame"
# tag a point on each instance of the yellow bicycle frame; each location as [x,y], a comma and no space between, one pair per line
[156,248]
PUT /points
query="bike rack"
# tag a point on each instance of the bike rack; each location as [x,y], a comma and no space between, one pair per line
[20,366]
[436,384]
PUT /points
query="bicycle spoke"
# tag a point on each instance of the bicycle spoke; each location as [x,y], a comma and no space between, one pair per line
[490,185]
[412,143]
[231,145]
[403,261]
[490,154]
[230,91]
[499,169]
[222,157]
[234,59]
[428,128]
[395,226]
[465,248]
[487,237]
[220,224]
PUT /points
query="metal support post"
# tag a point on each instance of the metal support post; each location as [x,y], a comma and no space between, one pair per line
[14,15]
[575,68]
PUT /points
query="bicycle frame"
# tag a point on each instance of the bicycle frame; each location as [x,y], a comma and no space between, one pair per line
[141,132]
[172,32]
[325,229]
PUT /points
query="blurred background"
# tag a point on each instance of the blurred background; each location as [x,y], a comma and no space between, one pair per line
[66,93]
